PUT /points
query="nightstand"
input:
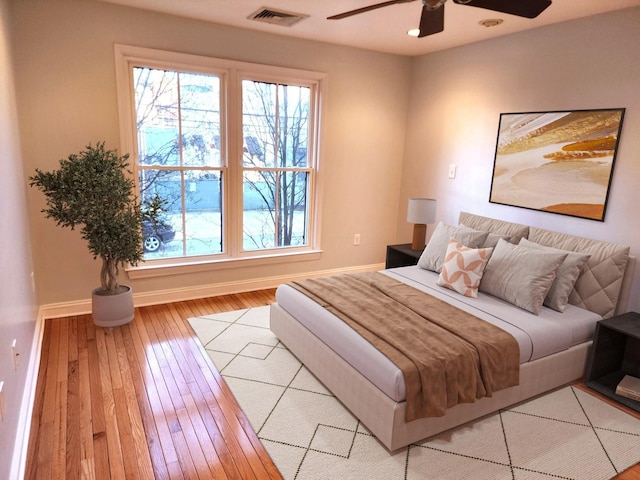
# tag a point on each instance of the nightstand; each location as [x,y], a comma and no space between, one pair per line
[614,354]
[401,256]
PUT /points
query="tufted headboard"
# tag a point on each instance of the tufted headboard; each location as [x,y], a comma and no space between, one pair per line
[602,287]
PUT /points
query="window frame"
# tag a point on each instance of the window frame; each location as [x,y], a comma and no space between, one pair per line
[231,74]
[312,160]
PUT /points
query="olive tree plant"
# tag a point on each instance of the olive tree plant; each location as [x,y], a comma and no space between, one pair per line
[94,190]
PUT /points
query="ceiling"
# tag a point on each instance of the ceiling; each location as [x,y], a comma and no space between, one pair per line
[383,29]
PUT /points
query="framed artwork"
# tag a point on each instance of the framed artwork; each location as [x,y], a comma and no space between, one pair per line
[560,162]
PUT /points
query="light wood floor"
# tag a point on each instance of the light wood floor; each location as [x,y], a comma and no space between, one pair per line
[143,401]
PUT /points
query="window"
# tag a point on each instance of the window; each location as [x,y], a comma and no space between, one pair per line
[275,168]
[178,157]
[231,148]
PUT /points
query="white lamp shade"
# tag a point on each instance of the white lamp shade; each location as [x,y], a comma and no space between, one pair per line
[421,210]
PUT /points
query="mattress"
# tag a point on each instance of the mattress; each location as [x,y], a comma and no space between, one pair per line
[537,335]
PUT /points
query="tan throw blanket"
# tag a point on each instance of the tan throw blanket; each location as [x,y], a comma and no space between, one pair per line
[447,356]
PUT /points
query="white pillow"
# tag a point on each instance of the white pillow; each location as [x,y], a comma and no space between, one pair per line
[463,267]
[521,276]
[566,275]
[433,255]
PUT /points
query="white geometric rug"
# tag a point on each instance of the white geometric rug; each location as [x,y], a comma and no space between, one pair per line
[566,434]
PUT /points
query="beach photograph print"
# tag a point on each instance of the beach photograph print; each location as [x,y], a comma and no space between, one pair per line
[560,162]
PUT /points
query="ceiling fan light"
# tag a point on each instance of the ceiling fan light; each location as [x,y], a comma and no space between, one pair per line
[414,32]
[433,4]
[490,22]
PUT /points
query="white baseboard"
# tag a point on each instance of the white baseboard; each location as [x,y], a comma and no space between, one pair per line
[83,307]
[21,445]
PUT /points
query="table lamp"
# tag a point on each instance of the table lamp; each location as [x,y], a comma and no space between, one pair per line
[421,212]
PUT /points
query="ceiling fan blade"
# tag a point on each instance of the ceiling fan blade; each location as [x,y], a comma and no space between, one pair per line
[431,21]
[521,8]
[367,9]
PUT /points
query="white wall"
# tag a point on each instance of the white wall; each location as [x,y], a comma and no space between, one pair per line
[67,98]
[457,97]
[17,303]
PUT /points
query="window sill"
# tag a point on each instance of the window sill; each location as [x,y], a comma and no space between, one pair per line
[156,269]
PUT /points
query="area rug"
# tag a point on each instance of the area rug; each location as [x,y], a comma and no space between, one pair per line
[565,434]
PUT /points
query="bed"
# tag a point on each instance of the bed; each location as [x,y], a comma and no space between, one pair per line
[553,342]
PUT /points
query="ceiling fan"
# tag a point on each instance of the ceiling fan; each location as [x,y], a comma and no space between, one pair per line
[432,19]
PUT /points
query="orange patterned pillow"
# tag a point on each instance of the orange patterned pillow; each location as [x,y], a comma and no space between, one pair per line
[463,268]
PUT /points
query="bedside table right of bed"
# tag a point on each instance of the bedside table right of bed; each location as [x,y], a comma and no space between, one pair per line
[615,353]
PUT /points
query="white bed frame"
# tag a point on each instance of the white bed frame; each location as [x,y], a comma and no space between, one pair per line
[385,418]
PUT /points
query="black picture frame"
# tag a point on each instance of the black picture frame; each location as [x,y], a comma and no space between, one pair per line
[557,161]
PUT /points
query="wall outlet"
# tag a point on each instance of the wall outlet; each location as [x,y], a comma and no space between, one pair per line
[356,239]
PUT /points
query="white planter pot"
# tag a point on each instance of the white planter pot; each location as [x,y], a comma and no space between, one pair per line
[112,310]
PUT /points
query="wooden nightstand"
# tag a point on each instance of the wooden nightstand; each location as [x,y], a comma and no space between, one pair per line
[614,354]
[401,256]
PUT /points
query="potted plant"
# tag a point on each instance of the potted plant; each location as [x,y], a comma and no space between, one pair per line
[94,190]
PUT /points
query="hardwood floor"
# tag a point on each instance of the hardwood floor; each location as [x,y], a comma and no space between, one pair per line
[143,401]
[140,401]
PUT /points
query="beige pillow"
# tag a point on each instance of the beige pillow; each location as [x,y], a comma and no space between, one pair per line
[463,267]
[492,238]
[521,276]
[566,275]
[433,255]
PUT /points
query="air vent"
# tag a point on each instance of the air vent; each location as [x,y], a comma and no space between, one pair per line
[276,17]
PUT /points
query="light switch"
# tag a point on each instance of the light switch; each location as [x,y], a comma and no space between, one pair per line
[452,170]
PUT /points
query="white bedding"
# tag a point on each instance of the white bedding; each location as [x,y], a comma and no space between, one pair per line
[537,336]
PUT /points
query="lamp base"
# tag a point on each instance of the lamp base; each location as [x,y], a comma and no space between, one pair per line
[419,234]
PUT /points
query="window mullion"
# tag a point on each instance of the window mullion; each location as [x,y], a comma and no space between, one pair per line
[233,207]
[183,202]
[276,213]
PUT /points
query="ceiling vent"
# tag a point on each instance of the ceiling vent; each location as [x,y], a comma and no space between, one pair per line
[276,17]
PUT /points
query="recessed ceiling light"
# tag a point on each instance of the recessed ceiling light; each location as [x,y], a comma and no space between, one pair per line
[491,22]
[414,32]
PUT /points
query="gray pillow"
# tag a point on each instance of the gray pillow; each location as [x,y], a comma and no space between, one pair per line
[566,275]
[433,255]
[521,276]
